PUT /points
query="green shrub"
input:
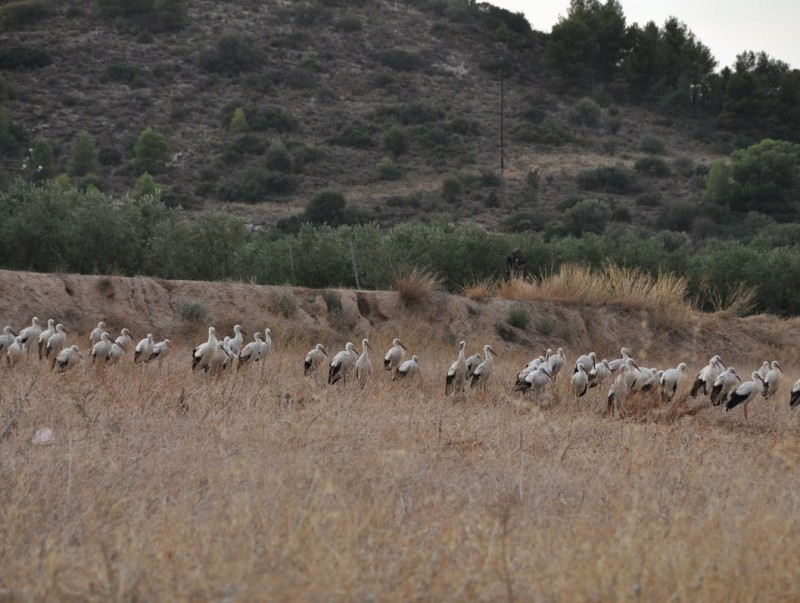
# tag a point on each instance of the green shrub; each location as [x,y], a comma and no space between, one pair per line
[233,53]
[283,302]
[518,317]
[304,156]
[396,141]
[109,156]
[400,60]
[464,127]
[126,74]
[652,166]
[412,114]
[256,184]
[194,311]
[652,144]
[145,185]
[684,166]
[451,189]
[546,326]
[610,179]
[332,300]
[326,207]
[272,118]
[588,215]
[279,159]
[151,152]
[387,169]
[171,14]
[525,221]
[586,112]
[348,24]
[82,154]
[238,120]
[356,136]
[648,200]
[548,133]
[43,161]
[16,15]
[23,57]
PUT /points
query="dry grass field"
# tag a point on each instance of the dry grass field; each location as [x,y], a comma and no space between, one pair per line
[266,485]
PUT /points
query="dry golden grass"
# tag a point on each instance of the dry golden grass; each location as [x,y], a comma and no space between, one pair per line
[417,287]
[481,291]
[265,485]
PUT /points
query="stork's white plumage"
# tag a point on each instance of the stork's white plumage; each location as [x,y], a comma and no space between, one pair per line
[252,351]
[364,364]
[102,349]
[160,351]
[143,349]
[220,359]
[707,375]
[408,369]
[580,382]
[125,341]
[394,356]
[600,373]
[724,385]
[670,380]
[536,380]
[342,364]
[17,351]
[618,363]
[7,338]
[97,333]
[67,358]
[30,334]
[55,343]
[557,362]
[236,342]
[764,369]
[45,335]
[622,385]
[116,354]
[473,362]
[483,373]
[202,354]
[588,362]
[267,347]
[314,359]
[456,378]
[745,393]
[772,382]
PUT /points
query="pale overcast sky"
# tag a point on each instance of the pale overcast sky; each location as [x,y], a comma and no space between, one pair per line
[727,28]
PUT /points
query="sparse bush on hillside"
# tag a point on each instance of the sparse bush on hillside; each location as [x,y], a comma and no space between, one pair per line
[23,57]
[588,215]
[387,169]
[412,114]
[233,53]
[256,184]
[17,14]
[518,317]
[610,179]
[271,118]
[525,221]
[238,120]
[652,144]
[586,112]
[43,161]
[451,189]
[123,73]
[416,287]
[160,15]
[326,207]
[145,185]
[395,140]
[356,135]
[648,200]
[549,133]
[82,154]
[400,60]
[194,311]
[348,24]
[109,156]
[684,166]
[151,152]
[652,166]
[171,14]
[278,158]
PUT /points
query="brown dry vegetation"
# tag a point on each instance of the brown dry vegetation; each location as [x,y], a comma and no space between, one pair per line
[168,485]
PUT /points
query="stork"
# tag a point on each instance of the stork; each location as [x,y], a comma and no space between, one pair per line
[235,344]
[16,351]
[670,380]
[314,359]
[143,349]
[160,351]
[7,338]
[97,333]
[600,373]
[745,393]
[364,364]
[124,340]
[456,377]
[116,354]
[45,335]
[30,333]
[252,351]
[536,380]
[622,385]
[394,356]
[407,369]
[342,364]
[202,354]
[707,375]
[772,382]
[102,348]
[483,373]
[794,396]
[557,362]
[724,385]
[67,358]
[580,382]
[587,360]
[617,364]
[473,362]
[55,343]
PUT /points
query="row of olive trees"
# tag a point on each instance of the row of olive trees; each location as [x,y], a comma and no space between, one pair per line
[52,228]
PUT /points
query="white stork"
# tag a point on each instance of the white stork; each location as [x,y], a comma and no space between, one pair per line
[724,385]
[202,354]
[124,340]
[588,361]
[45,335]
[143,349]
[252,351]
[16,351]
[97,333]
[600,373]
[456,378]
[55,343]
[483,373]
[623,384]
[314,359]
[707,375]
[772,382]
[267,347]
[473,362]
[7,338]
[745,393]
[617,364]
[536,380]
[67,358]
[364,364]
[29,334]
[342,364]
[235,344]
[557,362]
[794,396]
[407,369]
[102,348]
[580,382]
[160,351]
[116,354]
[670,380]
[394,356]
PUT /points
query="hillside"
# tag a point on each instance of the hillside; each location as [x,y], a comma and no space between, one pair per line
[326,81]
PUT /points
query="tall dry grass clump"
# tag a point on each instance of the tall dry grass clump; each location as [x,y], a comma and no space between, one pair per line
[628,287]
[481,291]
[416,287]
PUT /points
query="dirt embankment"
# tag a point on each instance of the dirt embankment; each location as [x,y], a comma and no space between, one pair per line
[183,310]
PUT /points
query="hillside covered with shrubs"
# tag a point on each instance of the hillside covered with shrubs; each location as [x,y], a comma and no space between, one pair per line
[139,137]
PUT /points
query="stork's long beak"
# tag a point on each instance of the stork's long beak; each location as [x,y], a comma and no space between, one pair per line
[323,351]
